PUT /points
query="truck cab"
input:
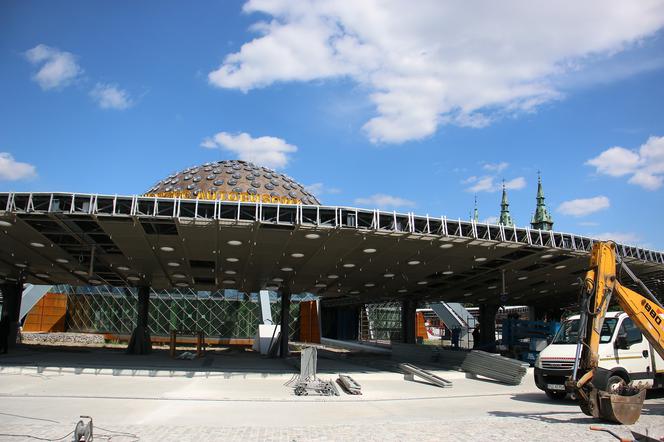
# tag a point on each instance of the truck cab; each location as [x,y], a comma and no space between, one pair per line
[623,351]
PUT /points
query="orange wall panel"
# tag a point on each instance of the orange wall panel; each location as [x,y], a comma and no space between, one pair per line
[309,322]
[421,328]
[48,315]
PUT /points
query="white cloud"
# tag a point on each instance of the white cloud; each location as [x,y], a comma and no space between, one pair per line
[481,184]
[58,68]
[12,170]
[488,183]
[619,237]
[491,220]
[264,151]
[645,166]
[109,96]
[439,62]
[382,201]
[321,189]
[517,183]
[584,206]
[496,167]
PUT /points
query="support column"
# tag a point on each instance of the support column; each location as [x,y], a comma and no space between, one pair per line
[488,327]
[140,342]
[285,321]
[266,310]
[12,293]
[408,320]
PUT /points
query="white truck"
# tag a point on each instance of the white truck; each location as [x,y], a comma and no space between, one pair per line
[622,350]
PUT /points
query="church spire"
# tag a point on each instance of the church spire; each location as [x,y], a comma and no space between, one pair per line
[505,217]
[541,219]
[476,213]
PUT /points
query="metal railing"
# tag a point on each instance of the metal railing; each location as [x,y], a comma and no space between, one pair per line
[306,215]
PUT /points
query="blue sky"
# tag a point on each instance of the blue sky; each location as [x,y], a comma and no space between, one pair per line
[373,105]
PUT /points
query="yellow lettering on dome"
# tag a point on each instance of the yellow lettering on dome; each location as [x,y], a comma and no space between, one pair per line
[227,196]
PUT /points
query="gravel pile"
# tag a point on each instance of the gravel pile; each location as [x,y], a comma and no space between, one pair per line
[62,338]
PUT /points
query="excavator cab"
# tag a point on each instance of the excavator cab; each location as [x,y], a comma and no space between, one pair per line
[600,394]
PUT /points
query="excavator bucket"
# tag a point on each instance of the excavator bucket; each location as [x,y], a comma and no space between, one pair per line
[618,408]
[623,407]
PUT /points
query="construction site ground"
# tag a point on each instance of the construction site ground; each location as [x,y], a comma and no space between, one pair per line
[237,395]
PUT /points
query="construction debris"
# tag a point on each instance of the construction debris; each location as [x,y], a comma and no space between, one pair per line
[62,338]
[357,346]
[83,431]
[410,371]
[349,385]
[187,355]
[307,380]
[496,367]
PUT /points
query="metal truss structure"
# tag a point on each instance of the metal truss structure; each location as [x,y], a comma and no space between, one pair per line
[380,322]
[345,255]
[318,216]
[225,314]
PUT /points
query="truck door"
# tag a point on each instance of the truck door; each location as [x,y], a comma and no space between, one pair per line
[632,352]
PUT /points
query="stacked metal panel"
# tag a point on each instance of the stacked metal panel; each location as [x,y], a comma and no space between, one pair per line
[493,366]
[410,371]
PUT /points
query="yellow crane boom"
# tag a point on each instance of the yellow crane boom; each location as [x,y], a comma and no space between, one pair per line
[588,380]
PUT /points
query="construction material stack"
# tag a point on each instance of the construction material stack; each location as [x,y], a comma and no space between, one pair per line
[349,384]
[496,367]
[307,381]
[410,371]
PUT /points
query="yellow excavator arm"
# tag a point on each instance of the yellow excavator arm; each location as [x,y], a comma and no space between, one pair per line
[588,381]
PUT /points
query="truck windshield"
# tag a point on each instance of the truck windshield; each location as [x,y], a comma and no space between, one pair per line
[569,331]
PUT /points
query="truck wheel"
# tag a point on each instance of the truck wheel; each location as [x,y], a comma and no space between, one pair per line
[614,383]
[555,395]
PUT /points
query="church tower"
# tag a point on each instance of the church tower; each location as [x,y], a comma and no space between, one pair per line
[476,213]
[505,217]
[542,218]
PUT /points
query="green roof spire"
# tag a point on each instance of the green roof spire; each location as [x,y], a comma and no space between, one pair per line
[476,213]
[541,219]
[505,217]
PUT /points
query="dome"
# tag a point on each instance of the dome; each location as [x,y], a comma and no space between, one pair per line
[233,180]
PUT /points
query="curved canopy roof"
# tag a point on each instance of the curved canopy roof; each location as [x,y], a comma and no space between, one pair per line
[344,254]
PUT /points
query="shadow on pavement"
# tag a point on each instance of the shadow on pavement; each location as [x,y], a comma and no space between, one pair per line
[549,417]
[540,398]
[217,361]
[649,407]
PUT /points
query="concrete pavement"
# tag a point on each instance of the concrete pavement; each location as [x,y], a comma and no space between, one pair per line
[244,406]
